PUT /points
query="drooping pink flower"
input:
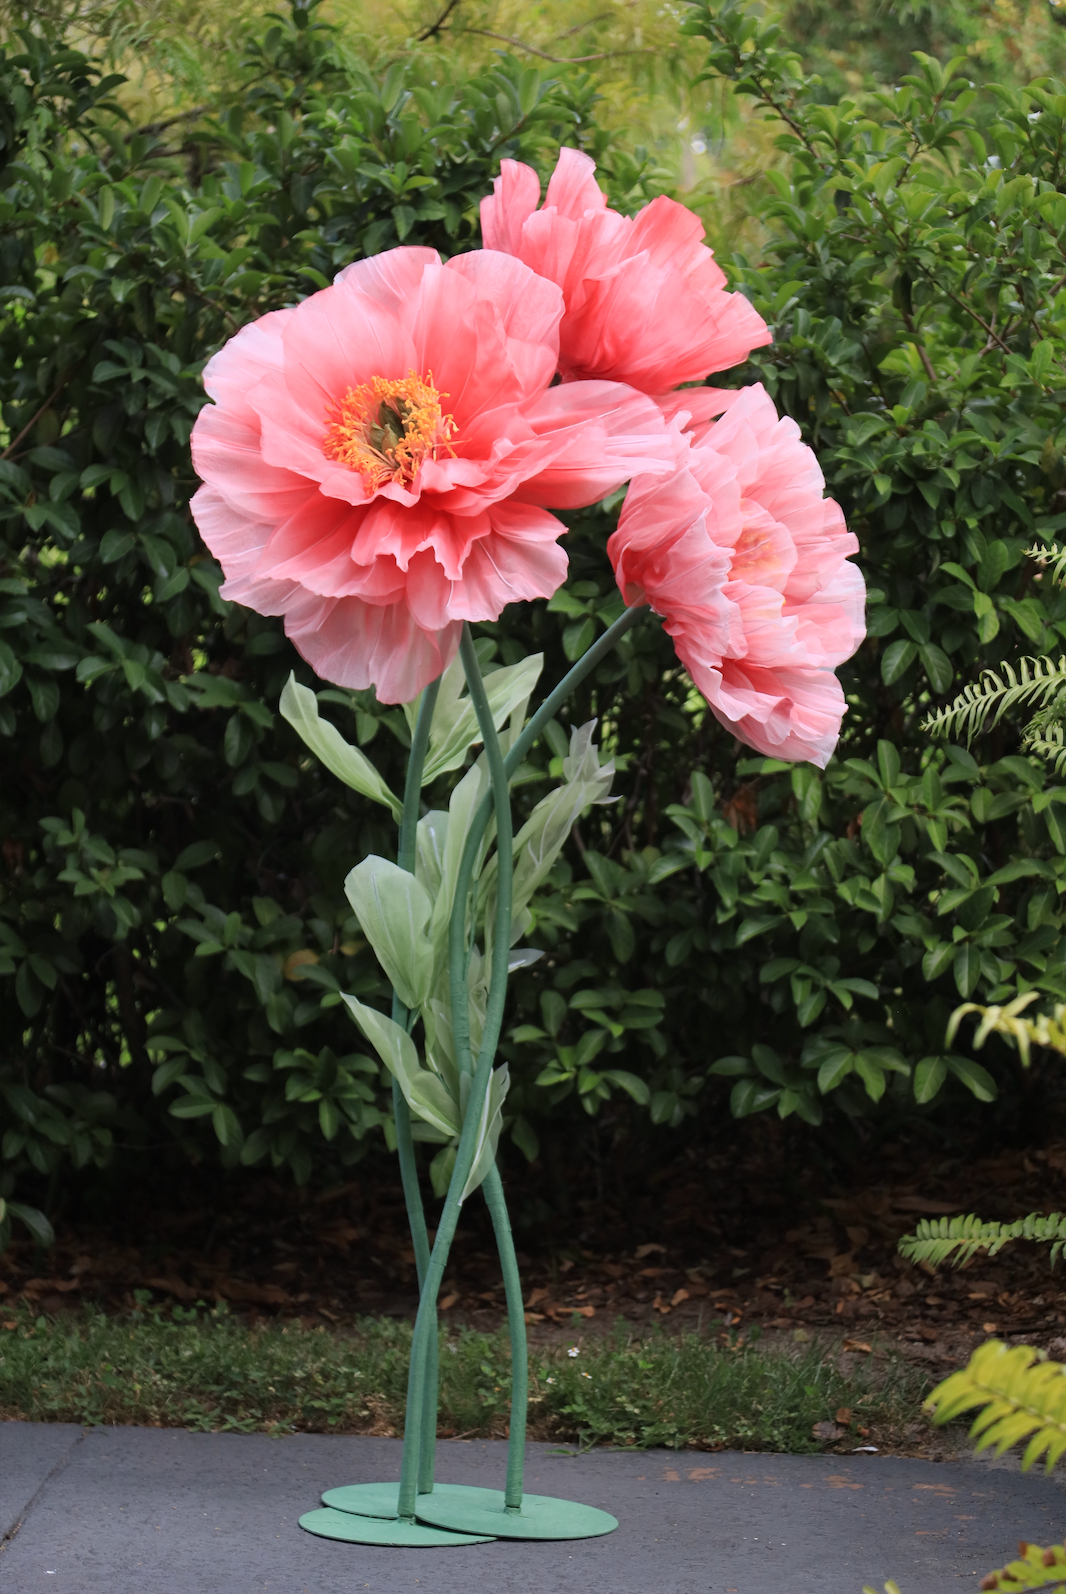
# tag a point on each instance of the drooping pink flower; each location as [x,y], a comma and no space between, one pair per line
[379,460]
[646,302]
[747,562]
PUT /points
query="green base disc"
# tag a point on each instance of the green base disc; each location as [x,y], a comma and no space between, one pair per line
[382,1499]
[364,1499]
[541,1516]
[375,1530]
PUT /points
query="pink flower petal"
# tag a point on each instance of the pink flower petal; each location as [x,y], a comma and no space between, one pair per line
[747,563]
[367,563]
[360,645]
[572,188]
[645,300]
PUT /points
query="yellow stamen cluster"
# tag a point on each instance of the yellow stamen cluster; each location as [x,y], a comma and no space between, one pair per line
[387,427]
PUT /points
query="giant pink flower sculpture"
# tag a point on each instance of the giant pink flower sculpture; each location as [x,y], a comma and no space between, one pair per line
[645,301]
[747,562]
[378,461]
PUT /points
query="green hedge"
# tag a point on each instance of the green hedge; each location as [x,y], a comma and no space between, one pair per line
[171,914]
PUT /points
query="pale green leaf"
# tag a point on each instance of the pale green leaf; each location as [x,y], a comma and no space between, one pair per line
[300,707]
[455,729]
[394,913]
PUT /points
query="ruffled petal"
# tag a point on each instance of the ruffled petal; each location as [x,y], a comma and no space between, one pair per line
[793,714]
[572,187]
[236,542]
[521,560]
[226,451]
[359,645]
[593,436]
[365,570]
[528,307]
[515,196]
[646,302]
[696,407]
[391,279]
[746,561]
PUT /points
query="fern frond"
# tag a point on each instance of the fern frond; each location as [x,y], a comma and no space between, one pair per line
[936,1238]
[1035,1568]
[1047,742]
[1003,1019]
[1023,1395]
[1032,681]
[1053,556]
[1043,1030]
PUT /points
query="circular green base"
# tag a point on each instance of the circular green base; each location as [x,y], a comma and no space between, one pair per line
[364,1499]
[375,1530]
[541,1516]
[382,1499]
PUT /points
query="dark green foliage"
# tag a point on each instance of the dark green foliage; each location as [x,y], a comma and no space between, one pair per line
[176,934]
[163,826]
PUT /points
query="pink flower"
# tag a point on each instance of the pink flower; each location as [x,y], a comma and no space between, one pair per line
[645,301]
[747,562]
[379,460]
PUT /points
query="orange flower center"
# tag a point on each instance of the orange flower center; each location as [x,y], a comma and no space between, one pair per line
[386,427]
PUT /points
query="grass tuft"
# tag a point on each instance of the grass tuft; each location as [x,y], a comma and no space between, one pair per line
[205,1370]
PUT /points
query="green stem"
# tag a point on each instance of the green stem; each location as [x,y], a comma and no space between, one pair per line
[574,677]
[457,959]
[516,1328]
[425,1323]
[457,956]
[405,1146]
[457,945]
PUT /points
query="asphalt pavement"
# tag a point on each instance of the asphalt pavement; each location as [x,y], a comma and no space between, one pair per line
[161,1511]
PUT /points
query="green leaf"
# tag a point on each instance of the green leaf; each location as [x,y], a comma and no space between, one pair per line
[226,1125]
[937,666]
[929,1077]
[394,912]
[896,660]
[967,969]
[525,1138]
[455,729]
[630,1083]
[489,1126]
[299,706]
[872,1076]
[431,1101]
[974,1077]
[730,1066]
[397,1051]
[10,669]
[837,1063]
[34,1220]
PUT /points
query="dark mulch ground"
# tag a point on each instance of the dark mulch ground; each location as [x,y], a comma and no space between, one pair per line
[721,1241]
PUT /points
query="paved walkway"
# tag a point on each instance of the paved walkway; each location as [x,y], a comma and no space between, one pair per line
[160,1511]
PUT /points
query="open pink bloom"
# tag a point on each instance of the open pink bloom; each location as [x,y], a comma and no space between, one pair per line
[747,562]
[378,460]
[645,301]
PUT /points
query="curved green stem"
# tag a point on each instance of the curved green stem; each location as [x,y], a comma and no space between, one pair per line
[457,959]
[405,1146]
[421,1415]
[425,1323]
[573,677]
[555,699]
[516,1328]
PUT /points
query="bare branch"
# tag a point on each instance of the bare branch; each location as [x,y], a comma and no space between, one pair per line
[32,422]
[556,60]
[435,27]
[589,22]
[182,116]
